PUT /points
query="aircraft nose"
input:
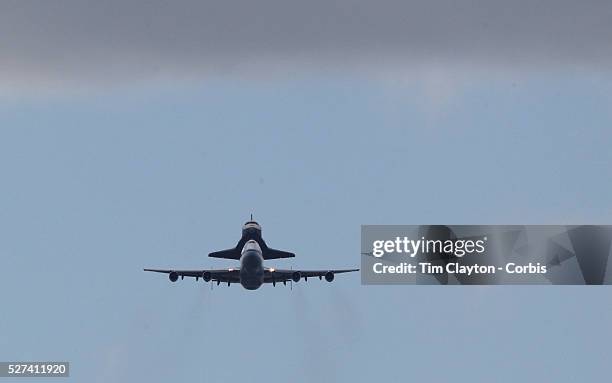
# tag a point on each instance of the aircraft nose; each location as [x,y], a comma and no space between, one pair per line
[250,261]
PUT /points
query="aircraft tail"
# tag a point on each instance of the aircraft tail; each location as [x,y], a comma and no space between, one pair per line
[269,253]
[226,254]
[266,252]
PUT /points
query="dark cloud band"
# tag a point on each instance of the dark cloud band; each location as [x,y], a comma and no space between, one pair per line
[146,37]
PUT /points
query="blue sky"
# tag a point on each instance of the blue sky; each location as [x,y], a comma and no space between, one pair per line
[144,134]
[98,186]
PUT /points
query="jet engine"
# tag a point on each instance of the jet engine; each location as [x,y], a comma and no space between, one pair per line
[173,276]
[206,276]
[329,276]
[296,276]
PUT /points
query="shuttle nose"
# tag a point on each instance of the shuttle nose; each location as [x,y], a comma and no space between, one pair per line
[251,229]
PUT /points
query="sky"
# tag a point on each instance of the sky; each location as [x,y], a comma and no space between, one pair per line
[144,135]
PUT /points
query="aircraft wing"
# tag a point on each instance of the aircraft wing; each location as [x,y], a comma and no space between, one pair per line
[277,275]
[222,275]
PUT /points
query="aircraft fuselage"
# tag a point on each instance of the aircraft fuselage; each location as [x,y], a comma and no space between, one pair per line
[251,266]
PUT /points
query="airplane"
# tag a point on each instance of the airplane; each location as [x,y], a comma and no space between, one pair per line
[251,251]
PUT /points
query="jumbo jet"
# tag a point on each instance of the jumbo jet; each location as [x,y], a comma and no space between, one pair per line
[251,250]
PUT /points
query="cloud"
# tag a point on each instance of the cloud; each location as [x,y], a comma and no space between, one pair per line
[45,42]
